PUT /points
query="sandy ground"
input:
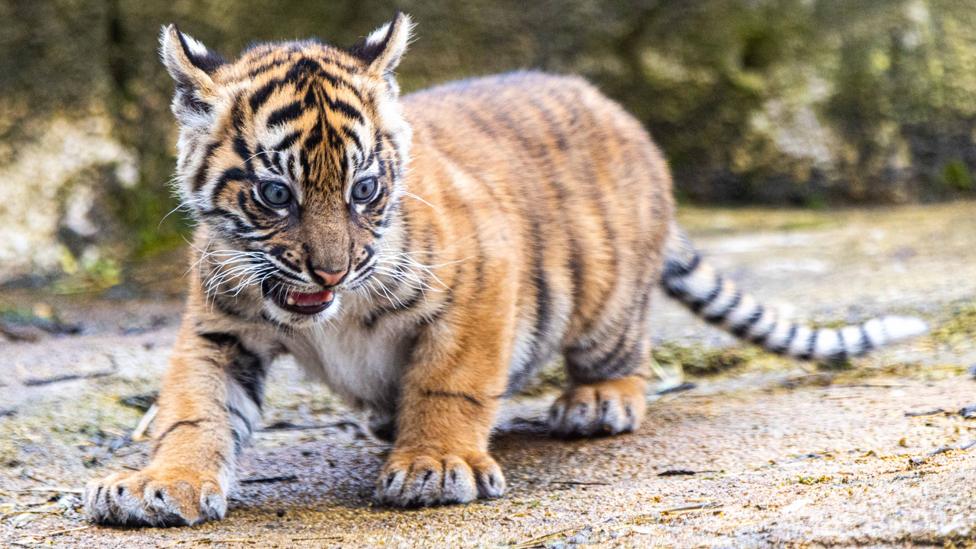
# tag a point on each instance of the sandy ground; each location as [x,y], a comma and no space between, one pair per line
[770,452]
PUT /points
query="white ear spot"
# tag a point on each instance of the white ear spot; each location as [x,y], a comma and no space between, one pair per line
[383,48]
[188,61]
[196,47]
[378,35]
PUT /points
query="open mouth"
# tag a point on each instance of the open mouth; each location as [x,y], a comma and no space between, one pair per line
[300,302]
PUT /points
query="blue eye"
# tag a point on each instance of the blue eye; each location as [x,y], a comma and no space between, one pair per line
[275,193]
[365,190]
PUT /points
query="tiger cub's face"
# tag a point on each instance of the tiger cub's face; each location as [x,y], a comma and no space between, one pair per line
[292,158]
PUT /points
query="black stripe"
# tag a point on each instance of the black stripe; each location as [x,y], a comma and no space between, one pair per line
[177,425]
[284,114]
[199,180]
[451,394]
[866,344]
[369,255]
[225,308]
[782,347]
[239,438]
[842,354]
[232,174]
[252,217]
[283,327]
[292,169]
[286,141]
[262,94]
[698,304]
[243,151]
[811,345]
[260,237]
[400,305]
[351,135]
[715,318]
[345,108]
[221,339]
[742,329]
[312,140]
[246,367]
[676,269]
[760,339]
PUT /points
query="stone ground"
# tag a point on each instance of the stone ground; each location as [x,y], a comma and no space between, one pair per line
[759,451]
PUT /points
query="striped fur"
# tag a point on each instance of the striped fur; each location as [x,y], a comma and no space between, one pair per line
[457,239]
[719,300]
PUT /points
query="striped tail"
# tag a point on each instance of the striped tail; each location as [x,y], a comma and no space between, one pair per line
[718,300]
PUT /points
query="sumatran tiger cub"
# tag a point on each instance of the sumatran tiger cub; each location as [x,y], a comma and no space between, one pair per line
[423,255]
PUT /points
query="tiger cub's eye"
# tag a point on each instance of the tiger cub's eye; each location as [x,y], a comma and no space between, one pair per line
[365,190]
[275,193]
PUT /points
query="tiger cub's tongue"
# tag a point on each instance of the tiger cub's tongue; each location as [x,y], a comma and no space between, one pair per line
[306,300]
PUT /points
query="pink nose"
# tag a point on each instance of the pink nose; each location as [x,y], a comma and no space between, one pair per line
[331,278]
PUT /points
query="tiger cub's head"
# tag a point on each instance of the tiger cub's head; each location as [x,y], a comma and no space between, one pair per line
[292,158]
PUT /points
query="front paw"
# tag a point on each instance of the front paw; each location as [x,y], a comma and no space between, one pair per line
[155,497]
[414,478]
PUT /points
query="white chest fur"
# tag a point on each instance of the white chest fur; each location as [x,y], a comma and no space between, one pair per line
[362,365]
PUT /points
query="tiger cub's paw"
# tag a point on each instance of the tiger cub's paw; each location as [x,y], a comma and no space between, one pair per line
[414,478]
[597,409]
[155,497]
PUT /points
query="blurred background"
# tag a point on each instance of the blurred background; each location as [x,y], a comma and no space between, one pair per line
[808,103]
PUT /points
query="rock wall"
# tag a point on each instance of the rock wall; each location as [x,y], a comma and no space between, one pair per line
[805,102]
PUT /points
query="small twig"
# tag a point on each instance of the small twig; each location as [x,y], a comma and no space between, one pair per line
[931,412]
[580,483]
[695,507]
[871,386]
[57,489]
[68,377]
[58,532]
[139,433]
[262,480]
[209,540]
[683,472]
[679,388]
[289,426]
[541,540]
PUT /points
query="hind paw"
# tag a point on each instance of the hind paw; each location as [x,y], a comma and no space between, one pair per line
[598,409]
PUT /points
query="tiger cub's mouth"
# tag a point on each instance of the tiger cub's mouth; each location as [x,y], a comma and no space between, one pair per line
[294,301]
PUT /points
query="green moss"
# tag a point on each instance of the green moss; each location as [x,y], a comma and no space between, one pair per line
[87,276]
[808,481]
[702,361]
[960,328]
[956,175]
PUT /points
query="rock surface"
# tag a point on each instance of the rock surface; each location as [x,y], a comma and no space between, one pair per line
[770,452]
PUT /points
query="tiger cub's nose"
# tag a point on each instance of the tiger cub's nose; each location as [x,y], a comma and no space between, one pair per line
[330,278]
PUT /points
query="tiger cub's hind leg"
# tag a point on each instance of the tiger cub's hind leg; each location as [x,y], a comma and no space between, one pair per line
[602,408]
[602,401]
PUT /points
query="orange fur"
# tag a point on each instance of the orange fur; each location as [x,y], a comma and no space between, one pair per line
[423,255]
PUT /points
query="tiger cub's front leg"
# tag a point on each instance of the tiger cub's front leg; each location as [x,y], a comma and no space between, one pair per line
[447,408]
[208,406]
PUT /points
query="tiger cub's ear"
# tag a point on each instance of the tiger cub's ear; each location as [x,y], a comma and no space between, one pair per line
[383,48]
[192,65]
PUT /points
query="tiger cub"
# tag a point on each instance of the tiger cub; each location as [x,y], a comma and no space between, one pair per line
[423,255]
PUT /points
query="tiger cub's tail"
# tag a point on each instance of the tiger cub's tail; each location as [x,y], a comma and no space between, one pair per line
[689,279]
